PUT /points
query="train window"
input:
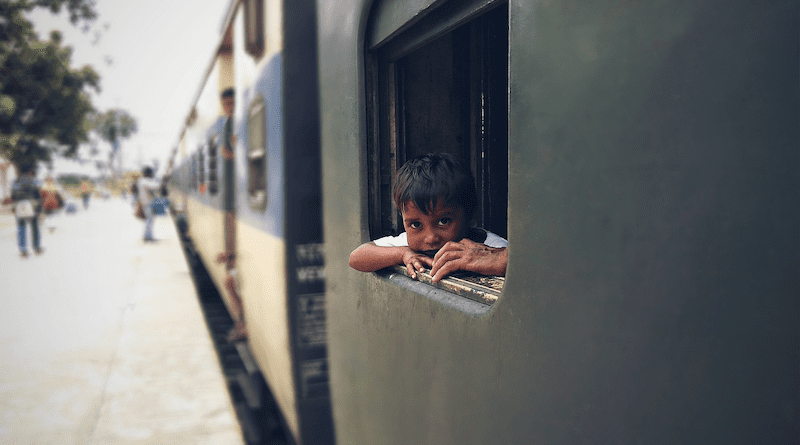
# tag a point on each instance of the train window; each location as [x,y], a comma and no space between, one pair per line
[254,27]
[441,85]
[193,172]
[213,183]
[257,155]
[201,170]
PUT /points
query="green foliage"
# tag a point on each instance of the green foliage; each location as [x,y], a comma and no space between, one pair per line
[43,102]
[113,125]
[70,180]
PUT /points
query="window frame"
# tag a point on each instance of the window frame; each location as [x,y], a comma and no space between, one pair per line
[193,178]
[254,27]
[213,165]
[257,153]
[385,112]
[486,86]
[201,169]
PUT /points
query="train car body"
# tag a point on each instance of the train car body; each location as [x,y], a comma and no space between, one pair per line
[651,293]
[267,54]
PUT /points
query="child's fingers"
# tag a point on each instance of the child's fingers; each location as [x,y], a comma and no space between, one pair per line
[424,261]
[418,264]
[457,258]
[412,267]
[445,269]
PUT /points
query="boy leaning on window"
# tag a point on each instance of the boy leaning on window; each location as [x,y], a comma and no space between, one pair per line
[436,197]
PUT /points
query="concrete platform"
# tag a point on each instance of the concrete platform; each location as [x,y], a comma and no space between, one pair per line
[102,340]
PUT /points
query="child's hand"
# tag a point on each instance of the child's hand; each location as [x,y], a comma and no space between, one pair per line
[470,256]
[416,262]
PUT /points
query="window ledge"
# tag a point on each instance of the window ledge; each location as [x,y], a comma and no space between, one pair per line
[480,288]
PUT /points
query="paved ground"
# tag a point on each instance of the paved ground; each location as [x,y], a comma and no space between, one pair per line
[102,340]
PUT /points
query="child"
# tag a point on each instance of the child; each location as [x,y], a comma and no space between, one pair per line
[436,196]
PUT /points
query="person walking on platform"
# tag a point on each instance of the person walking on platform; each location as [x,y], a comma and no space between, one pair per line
[52,201]
[148,189]
[86,192]
[27,205]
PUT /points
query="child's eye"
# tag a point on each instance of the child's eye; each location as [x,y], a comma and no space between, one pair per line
[444,221]
[415,225]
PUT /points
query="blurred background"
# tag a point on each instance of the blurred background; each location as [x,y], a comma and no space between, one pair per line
[123,87]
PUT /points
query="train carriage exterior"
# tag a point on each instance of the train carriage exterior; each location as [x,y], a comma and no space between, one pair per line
[267,54]
[651,186]
[640,157]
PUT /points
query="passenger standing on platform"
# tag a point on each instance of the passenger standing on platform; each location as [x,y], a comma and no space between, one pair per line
[228,99]
[86,192]
[436,197]
[148,189]
[27,206]
[50,196]
[51,202]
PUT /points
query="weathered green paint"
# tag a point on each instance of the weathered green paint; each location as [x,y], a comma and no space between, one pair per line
[652,286]
[396,15]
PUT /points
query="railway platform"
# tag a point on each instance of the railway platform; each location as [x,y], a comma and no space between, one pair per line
[102,339]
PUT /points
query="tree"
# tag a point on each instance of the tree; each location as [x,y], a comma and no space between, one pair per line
[43,102]
[111,126]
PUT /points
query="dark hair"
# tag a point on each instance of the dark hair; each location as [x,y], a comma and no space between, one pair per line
[426,179]
[228,92]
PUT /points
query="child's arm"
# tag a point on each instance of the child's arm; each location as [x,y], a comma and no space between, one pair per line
[368,258]
[470,256]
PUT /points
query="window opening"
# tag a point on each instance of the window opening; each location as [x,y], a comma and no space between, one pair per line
[256,155]
[213,175]
[254,27]
[201,170]
[193,173]
[438,87]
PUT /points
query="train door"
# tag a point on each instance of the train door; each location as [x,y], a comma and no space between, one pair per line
[228,176]
[303,230]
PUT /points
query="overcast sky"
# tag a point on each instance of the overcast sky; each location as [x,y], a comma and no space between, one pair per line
[151,55]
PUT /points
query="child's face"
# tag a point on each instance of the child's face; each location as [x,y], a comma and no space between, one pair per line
[428,233]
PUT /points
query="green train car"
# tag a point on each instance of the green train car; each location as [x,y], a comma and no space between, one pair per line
[642,160]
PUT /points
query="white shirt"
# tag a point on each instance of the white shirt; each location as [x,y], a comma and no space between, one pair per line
[148,189]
